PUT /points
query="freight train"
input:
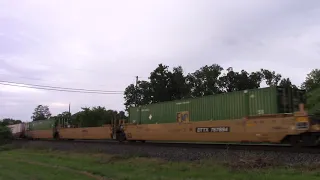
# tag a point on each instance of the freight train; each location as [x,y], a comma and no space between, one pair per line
[266,115]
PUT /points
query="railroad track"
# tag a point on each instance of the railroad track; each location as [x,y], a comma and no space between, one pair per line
[248,147]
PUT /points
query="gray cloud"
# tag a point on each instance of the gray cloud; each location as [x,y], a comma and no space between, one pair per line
[104,44]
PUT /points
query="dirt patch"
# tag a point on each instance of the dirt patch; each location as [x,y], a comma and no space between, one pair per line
[303,168]
[244,164]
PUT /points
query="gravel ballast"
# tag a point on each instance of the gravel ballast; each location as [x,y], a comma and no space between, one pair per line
[176,153]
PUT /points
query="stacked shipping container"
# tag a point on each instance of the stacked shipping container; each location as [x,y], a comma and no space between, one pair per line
[41,125]
[17,129]
[234,105]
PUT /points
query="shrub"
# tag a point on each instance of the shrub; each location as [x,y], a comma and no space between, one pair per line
[5,135]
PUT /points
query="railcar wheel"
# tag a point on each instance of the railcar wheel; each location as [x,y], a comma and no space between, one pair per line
[309,140]
[296,141]
[121,137]
[56,135]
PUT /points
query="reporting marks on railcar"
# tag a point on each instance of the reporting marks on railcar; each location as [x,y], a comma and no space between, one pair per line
[212,129]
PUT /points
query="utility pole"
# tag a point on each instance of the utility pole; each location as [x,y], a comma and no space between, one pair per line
[69,120]
[136,93]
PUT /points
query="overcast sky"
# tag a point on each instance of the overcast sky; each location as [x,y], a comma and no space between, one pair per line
[104,44]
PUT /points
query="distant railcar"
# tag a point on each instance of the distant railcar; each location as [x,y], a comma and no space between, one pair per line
[42,129]
[17,130]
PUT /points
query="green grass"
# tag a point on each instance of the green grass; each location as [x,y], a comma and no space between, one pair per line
[45,164]
[12,170]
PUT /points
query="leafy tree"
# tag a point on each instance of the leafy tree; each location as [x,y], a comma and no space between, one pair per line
[40,113]
[9,121]
[205,81]
[64,115]
[286,82]
[312,86]
[178,86]
[254,80]
[166,85]
[272,79]
[138,95]
[313,102]
[95,117]
[160,84]
[237,81]
[5,135]
[63,118]
[312,80]
[227,82]
[130,95]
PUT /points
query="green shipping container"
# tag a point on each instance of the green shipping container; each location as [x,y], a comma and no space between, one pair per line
[41,125]
[234,105]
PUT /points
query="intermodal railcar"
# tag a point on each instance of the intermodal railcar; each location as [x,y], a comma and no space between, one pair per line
[17,130]
[267,115]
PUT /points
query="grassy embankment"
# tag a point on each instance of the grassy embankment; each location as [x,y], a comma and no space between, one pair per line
[45,164]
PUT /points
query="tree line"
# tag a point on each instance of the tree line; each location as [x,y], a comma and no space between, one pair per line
[9,121]
[87,117]
[164,84]
[92,117]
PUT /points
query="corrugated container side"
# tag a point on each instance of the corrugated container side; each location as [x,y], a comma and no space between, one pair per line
[132,114]
[298,96]
[284,103]
[41,124]
[263,101]
[215,107]
[289,99]
[233,105]
[16,128]
[229,105]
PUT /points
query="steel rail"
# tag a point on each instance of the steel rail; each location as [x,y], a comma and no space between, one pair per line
[248,147]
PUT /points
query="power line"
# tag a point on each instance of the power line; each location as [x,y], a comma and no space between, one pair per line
[43,80]
[61,88]
[57,89]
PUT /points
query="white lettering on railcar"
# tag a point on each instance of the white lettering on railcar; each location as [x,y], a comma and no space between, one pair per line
[185,102]
[212,129]
[260,111]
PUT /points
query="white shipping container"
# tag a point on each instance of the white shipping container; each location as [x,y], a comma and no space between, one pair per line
[17,129]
